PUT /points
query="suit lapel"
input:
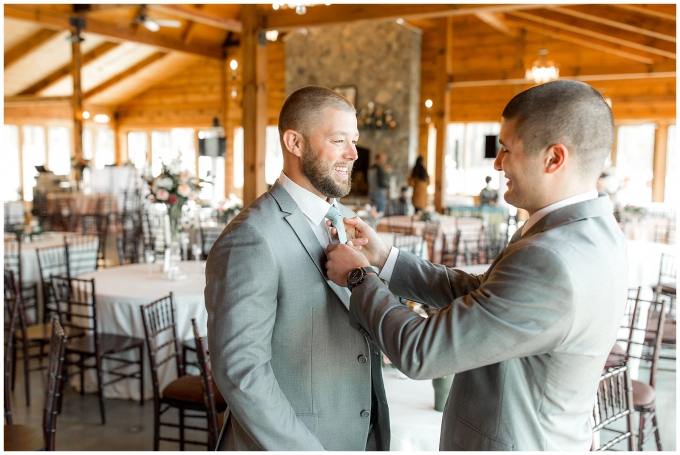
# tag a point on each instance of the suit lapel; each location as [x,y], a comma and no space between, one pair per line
[298,222]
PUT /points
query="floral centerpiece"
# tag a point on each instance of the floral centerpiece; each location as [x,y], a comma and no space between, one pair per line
[173,187]
[79,165]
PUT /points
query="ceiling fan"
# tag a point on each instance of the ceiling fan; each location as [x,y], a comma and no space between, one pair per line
[152,24]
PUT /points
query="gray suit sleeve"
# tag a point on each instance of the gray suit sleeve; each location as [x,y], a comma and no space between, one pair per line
[525,307]
[241,299]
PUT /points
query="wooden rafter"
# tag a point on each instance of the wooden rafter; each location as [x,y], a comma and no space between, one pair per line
[497,21]
[598,14]
[196,15]
[31,100]
[124,74]
[59,21]
[65,70]
[583,78]
[601,38]
[338,13]
[24,47]
[662,11]
[189,30]
[570,38]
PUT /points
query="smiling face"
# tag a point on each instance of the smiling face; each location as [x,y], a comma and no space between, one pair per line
[330,152]
[523,171]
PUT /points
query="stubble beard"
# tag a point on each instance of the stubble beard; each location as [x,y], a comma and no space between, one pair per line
[319,176]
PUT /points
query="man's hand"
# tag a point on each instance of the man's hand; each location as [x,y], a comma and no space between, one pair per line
[361,236]
[342,259]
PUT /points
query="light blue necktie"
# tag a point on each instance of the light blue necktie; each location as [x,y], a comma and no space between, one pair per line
[336,221]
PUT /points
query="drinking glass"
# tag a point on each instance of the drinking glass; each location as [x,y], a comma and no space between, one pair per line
[184,241]
[149,258]
[196,250]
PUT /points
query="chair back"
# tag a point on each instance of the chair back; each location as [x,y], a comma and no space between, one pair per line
[96,225]
[207,382]
[399,224]
[395,207]
[209,235]
[411,243]
[161,338]
[12,300]
[153,228]
[12,255]
[450,243]
[430,235]
[82,252]
[76,306]
[131,239]
[55,382]
[51,261]
[614,402]
[643,322]
[667,270]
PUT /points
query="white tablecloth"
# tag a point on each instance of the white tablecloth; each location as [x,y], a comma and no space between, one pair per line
[644,260]
[121,291]
[414,424]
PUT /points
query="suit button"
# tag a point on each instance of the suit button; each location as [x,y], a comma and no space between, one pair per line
[362,359]
[364,414]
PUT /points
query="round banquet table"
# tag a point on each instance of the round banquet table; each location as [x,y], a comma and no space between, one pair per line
[121,291]
[29,258]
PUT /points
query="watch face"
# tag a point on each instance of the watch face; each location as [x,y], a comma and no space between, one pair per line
[355,275]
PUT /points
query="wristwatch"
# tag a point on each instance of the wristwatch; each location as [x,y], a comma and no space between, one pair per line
[356,276]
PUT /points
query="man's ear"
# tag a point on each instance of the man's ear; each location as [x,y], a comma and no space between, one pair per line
[293,142]
[556,158]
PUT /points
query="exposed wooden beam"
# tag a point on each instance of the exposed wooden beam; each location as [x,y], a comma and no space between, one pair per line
[77,62]
[32,100]
[663,11]
[189,30]
[60,21]
[497,21]
[124,74]
[659,162]
[442,108]
[254,104]
[582,41]
[321,15]
[65,70]
[26,46]
[583,78]
[599,14]
[599,35]
[194,14]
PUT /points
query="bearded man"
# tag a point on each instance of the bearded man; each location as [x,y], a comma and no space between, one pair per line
[294,373]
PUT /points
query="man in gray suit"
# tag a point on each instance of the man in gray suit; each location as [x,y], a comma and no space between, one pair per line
[294,373]
[528,339]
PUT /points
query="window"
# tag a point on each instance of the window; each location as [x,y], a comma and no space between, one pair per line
[59,152]
[634,161]
[672,189]
[465,165]
[105,147]
[34,154]
[273,163]
[211,169]
[11,184]
[166,145]
[137,148]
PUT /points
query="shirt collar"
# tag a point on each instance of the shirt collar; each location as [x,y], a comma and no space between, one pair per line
[314,207]
[533,219]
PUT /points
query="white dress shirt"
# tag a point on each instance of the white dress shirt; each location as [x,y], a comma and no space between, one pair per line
[313,207]
[388,268]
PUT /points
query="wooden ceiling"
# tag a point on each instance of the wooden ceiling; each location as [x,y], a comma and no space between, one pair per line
[122,59]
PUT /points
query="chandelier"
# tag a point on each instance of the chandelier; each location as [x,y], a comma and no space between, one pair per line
[542,70]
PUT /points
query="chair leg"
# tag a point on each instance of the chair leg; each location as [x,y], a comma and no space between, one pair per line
[641,430]
[657,436]
[156,425]
[181,429]
[100,381]
[141,375]
[24,348]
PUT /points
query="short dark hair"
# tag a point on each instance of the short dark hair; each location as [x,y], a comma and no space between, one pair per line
[567,112]
[301,106]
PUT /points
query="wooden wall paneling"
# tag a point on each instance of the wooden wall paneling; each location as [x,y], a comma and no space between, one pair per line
[254,104]
[659,162]
[26,46]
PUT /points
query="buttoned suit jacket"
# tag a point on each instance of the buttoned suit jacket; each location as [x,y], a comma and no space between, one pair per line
[294,373]
[527,340]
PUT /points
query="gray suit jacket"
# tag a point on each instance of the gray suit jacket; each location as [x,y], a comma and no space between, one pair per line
[527,340]
[293,372]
